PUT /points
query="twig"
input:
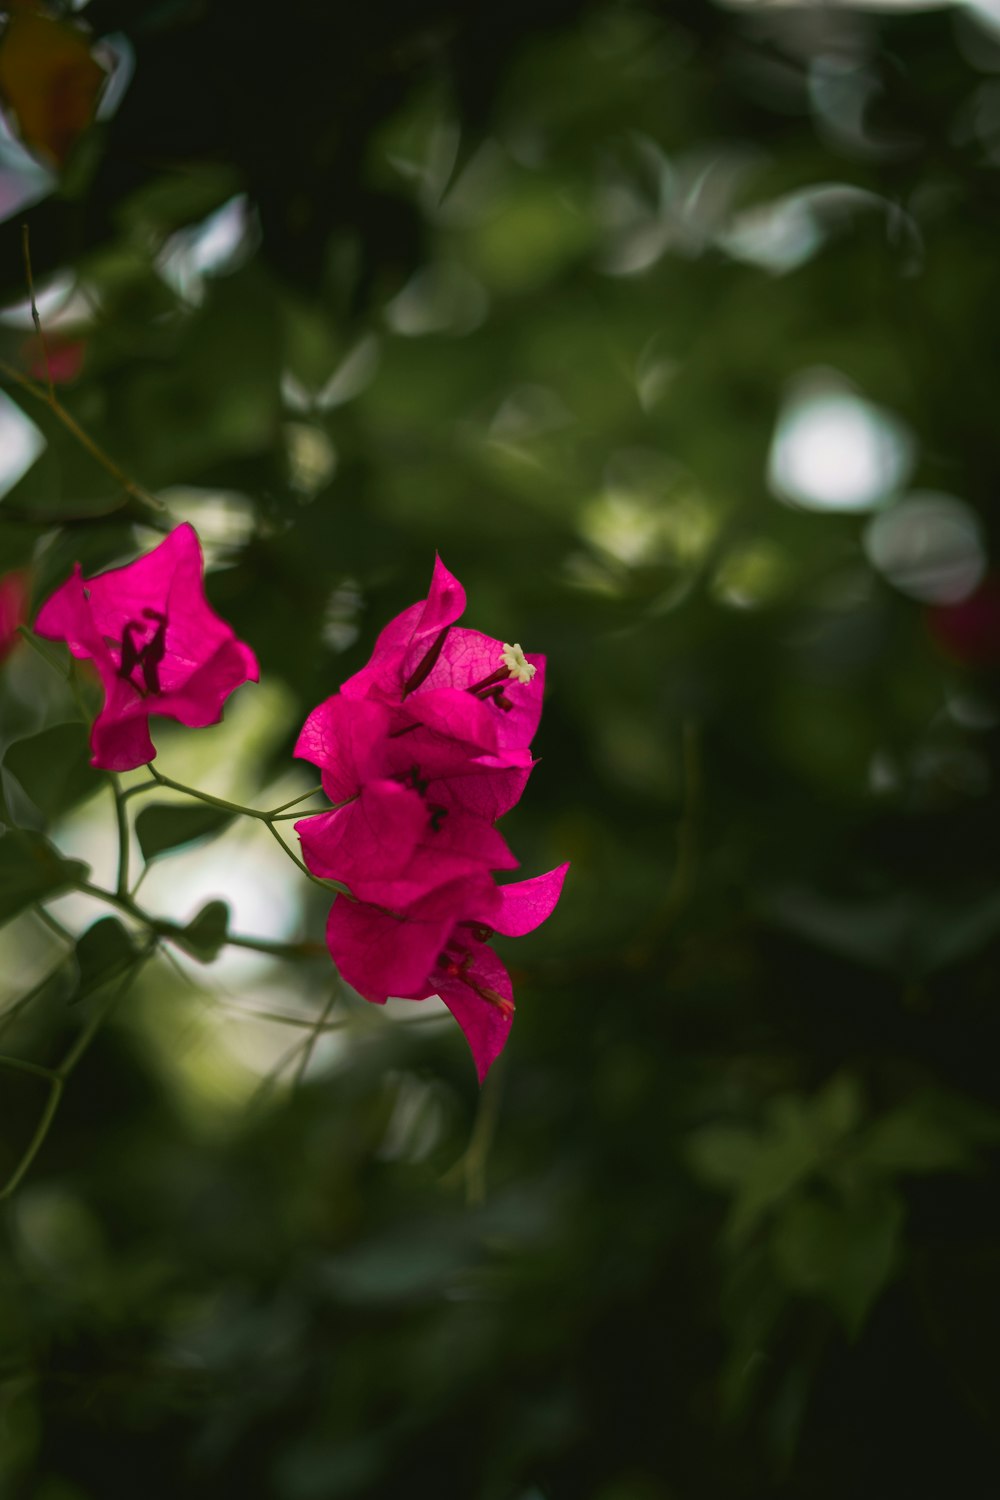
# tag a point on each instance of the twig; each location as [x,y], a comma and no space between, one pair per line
[26,251]
[313,1038]
[72,426]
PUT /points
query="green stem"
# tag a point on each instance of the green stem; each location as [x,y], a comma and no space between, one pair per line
[54,925]
[56,1077]
[267,818]
[236,808]
[37,1140]
[276,812]
[121,818]
[174,933]
[313,1038]
[20,1065]
[327,885]
[32,994]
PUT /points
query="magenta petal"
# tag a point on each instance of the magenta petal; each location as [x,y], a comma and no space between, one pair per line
[486,1025]
[458,715]
[405,642]
[526,904]
[119,743]
[468,659]
[156,642]
[461,835]
[382,955]
[486,789]
[346,738]
[66,616]
[200,700]
[367,843]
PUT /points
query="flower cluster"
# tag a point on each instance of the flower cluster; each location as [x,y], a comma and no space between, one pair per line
[423,750]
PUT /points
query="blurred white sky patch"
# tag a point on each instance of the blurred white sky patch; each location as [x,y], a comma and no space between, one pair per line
[929,546]
[243,866]
[23,180]
[833,450]
[224,519]
[62,302]
[218,245]
[21,443]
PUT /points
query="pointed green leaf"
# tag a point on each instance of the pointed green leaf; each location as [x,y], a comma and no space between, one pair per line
[169,825]
[31,869]
[54,768]
[206,933]
[104,951]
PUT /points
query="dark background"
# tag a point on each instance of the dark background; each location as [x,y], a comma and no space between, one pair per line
[544,287]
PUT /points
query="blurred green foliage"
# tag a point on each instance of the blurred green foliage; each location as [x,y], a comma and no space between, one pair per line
[541,287]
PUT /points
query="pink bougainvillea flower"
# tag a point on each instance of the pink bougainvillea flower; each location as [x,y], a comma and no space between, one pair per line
[436,704]
[13,603]
[156,642]
[423,750]
[426,952]
[463,683]
[353,741]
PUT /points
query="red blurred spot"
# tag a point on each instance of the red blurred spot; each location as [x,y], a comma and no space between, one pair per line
[64,363]
[13,610]
[969,631]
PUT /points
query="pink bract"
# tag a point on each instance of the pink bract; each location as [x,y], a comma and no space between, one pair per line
[158,645]
[432,670]
[426,952]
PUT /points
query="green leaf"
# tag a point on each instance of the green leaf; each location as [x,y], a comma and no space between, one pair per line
[104,952]
[168,825]
[933,1132]
[841,1252]
[723,1155]
[54,768]
[31,869]
[206,933]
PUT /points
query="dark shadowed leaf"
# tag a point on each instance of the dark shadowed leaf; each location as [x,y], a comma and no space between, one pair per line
[103,952]
[206,933]
[54,768]
[165,825]
[31,869]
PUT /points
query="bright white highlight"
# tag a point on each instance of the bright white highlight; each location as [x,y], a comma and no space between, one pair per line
[20,444]
[832,450]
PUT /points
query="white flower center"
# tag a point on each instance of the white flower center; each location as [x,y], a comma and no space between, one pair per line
[513,660]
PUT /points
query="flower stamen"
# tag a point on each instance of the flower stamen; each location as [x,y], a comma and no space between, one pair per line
[519,668]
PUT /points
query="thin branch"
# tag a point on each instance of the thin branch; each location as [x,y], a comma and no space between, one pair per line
[21,1065]
[174,933]
[72,426]
[56,1077]
[26,252]
[121,819]
[22,1003]
[313,1038]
